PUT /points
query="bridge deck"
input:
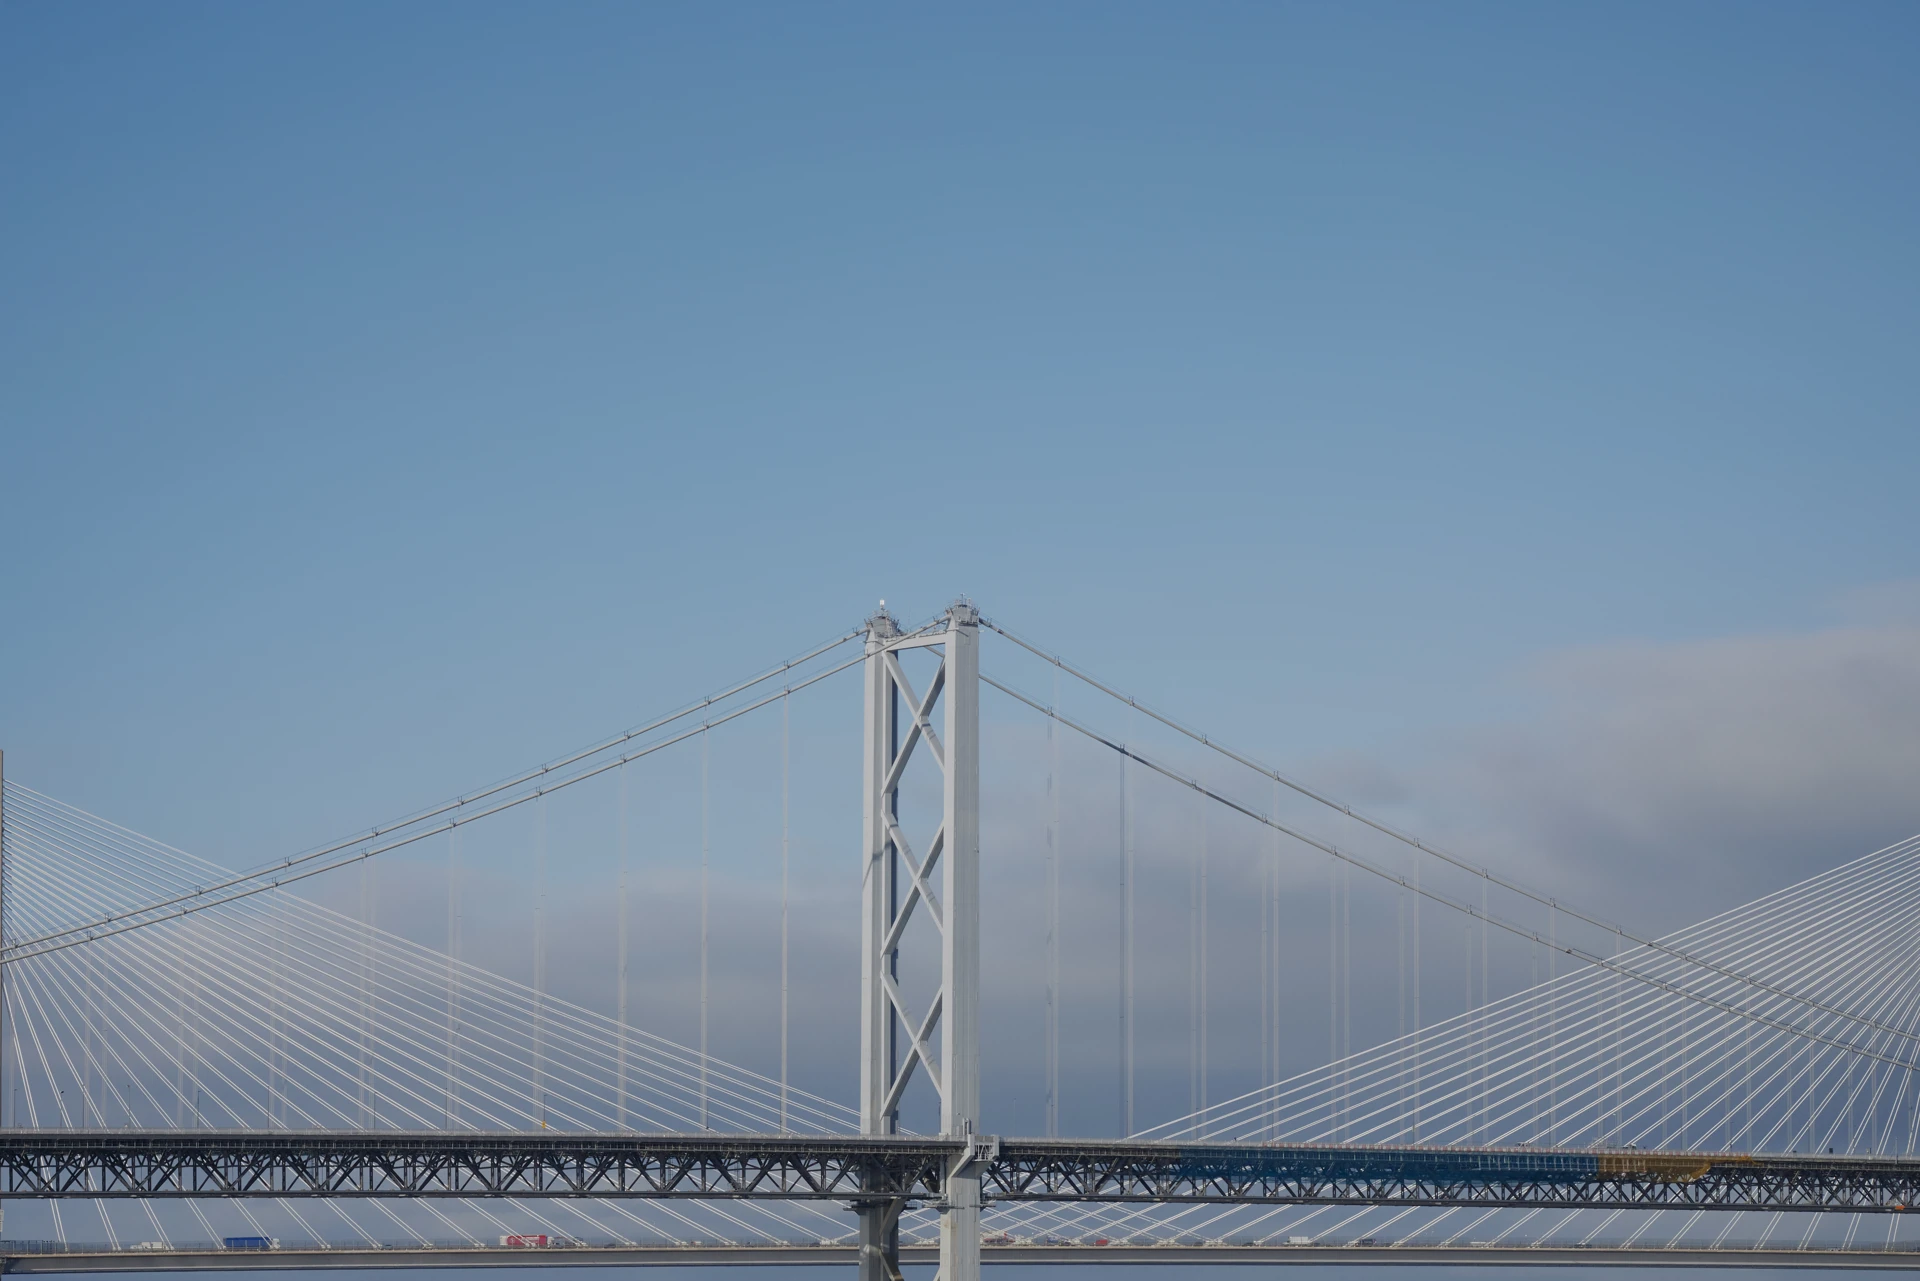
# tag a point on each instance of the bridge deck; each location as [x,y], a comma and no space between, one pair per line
[845,1256]
[176,1163]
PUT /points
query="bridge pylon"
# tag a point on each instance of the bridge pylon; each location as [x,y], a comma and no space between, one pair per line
[896,1040]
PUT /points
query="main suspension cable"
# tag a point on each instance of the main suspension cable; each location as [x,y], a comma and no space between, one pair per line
[1553,905]
[182,905]
[458,802]
[1469,910]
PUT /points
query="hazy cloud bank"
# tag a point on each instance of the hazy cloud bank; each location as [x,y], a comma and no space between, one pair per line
[1710,772]
[1655,783]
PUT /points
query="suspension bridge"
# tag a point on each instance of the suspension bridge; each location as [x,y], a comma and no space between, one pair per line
[202,1067]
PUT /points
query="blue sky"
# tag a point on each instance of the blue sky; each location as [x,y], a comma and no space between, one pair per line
[1503,413]
[395,398]
[429,389]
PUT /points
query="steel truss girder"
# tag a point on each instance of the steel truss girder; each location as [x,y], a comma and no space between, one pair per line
[81,1260]
[1034,1170]
[865,1170]
[162,1163]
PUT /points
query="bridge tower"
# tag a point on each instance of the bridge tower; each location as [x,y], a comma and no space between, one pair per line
[896,1040]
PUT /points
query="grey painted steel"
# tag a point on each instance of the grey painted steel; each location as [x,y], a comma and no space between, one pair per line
[877,1055]
[879,1218]
[960,955]
[1319,1256]
[897,884]
[857,1170]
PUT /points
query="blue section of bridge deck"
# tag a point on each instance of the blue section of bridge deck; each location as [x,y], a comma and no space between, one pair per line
[1390,1163]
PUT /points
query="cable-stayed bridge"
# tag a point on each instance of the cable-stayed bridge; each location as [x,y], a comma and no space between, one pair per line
[204,1067]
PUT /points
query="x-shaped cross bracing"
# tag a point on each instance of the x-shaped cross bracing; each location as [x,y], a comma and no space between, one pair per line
[918,729]
[897,1041]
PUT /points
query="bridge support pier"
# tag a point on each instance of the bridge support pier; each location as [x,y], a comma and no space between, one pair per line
[895,882]
[880,1240]
[960,1229]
